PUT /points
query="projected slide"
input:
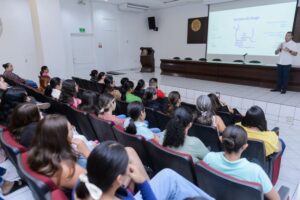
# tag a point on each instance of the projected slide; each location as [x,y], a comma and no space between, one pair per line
[253,30]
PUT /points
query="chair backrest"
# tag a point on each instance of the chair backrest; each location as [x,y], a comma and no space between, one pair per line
[134,141]
[192,107]
[176,58]
[121,108]
[227,118]
[103,129]
[238,61]
[11,146]
[151,118]
[256,153]
[42,187]
[162,157]
[81,121]
[208,135]
[100,87]
[188,58]
[216,59]
[254,61]
[162,119]
[225,187]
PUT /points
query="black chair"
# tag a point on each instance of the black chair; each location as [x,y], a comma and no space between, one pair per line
[151,118]
[81,121]
[162,157]
[188,58]
[42,187]
[103,129]
[162,120]
[203,59]
[79,82]
[217,60]
[189,106]
[224,187]
[134,141]
[100,88]
[208,135]
[121,108]
[10,146]
[176,58]
[238,61]
[227,117]
[254,62]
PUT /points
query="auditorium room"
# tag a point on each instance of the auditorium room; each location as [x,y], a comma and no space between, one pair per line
[150,99]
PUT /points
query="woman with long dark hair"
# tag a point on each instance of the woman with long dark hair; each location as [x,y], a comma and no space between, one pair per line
[110,169]
[54,88]
[110,87]
[89,102]
[23,123]
[52,154]
[140,88]
[69,92]
[255,124]
[150,99]
[126,91]
[176,135]
[174,101]
[234,140]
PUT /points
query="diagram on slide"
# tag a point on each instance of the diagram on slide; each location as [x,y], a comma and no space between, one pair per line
[244,38]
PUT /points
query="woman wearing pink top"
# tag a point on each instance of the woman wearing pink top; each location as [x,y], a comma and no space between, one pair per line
[68,93]
[107,104]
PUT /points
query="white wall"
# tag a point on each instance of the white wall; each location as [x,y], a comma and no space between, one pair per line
[17,41]
[171,38]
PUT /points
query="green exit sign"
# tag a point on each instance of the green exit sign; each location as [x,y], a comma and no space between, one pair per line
[82,30]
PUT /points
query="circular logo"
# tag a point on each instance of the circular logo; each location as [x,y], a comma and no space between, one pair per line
[196,25]
[1,27]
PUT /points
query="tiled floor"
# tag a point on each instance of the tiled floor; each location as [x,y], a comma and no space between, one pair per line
[281,110]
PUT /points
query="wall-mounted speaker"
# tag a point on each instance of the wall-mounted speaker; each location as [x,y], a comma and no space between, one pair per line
[152,24]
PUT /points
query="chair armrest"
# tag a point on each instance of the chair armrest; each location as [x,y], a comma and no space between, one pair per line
[284,193]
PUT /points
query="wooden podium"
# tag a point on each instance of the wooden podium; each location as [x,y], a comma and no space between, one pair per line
[147,59]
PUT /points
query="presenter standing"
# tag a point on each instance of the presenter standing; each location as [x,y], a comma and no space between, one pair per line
[286,50]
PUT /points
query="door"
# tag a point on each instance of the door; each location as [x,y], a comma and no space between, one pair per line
[83,54]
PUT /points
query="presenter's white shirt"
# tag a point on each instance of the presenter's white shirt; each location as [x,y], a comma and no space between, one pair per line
[285,58]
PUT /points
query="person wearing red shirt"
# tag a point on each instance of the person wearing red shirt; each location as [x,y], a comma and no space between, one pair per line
[153,83]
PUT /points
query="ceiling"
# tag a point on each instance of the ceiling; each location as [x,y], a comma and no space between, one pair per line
[154,4]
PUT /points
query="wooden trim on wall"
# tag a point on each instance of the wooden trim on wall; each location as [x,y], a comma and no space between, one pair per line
[297,26]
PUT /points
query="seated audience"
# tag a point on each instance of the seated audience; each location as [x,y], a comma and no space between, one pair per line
[10,99]
[110,87]
[69,92]
[110,169]
[8,73]
[89,102]
[154,83]
[140,88]
[101,77]
[44,78]
[174,101]
[150,99]
[44,72]
[107,104]
[54,89]
[3,86]
[126,92]
[220,106]
[52,154]
[234,140]
[206,115]
[94,75]
[23,123]
[8,187]
[176,135]
[135,124]
[255,124]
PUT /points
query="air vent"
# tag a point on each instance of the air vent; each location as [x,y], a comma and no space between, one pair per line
[132,7]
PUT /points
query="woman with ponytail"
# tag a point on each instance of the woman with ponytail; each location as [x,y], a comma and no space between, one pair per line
[234,140]
[107,104]
[176,136]
[126,92]
[206,115]
[174,101]
[110,169]
[136,124]
[54,89]
[150,99]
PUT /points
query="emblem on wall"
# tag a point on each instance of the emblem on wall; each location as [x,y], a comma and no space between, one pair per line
[197,30]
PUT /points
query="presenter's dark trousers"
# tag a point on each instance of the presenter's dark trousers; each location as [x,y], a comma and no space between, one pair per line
[283,74]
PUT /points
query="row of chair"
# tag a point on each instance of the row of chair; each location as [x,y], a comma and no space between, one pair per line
[217,60]
[89,85]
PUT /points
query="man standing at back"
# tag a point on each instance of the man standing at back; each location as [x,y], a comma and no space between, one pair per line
[286,50]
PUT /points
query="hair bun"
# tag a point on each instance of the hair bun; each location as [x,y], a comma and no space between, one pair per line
[228,143]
